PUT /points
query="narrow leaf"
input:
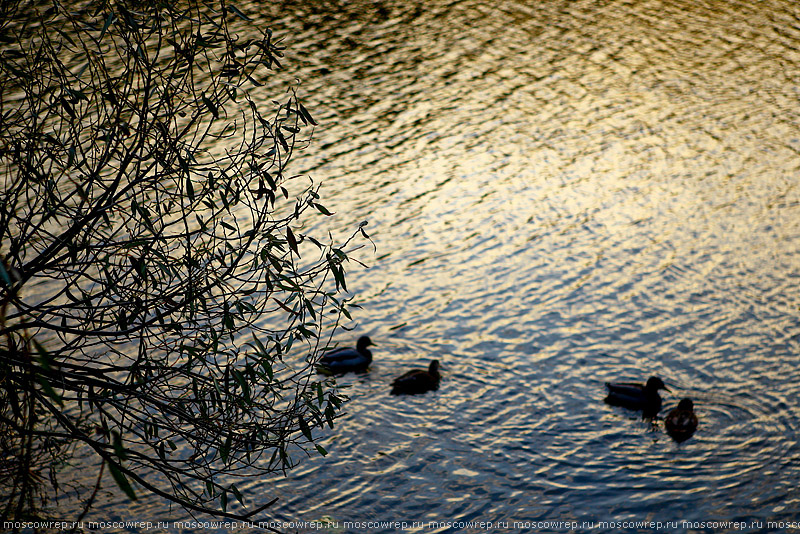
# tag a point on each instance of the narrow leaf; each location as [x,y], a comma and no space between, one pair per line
[322,209]
[285,307]
[240,379]
[4,275]
[304,428]
[282,140]
[237,494]
[291,239]
[211,106]
[121,480]
[306,114]
[119,448]
[109,20]
[329,413]
[270,181]
[235,11]
[225,449]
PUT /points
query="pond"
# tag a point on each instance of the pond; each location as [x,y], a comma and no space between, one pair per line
[560,194]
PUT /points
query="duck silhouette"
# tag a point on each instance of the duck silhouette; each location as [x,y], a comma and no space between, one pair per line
[417,380]
[682,421]
[347,359]
[637,396]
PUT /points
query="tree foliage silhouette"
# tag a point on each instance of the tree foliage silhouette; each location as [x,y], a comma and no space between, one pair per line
[155,308]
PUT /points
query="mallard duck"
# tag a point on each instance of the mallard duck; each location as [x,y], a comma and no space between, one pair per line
[637,396]
[417,380]
[682,421]
[347,359]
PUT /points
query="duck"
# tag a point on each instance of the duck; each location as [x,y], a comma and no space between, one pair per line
[682,421]
[637,396]
[417,380]
[347,359]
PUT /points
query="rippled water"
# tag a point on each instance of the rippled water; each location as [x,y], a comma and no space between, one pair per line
[561,194]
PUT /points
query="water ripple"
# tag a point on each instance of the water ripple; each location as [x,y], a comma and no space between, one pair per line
[561,194]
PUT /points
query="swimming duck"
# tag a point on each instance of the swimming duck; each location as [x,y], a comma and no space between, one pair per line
[681,422]
[637,396]
[417,380]
[348,359]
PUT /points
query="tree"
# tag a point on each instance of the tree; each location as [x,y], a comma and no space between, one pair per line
[154,304]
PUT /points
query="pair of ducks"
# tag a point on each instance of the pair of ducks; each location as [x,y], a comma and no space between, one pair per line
[680,422]
[357,360]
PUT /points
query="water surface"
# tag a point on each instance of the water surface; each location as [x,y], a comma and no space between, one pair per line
[560,194]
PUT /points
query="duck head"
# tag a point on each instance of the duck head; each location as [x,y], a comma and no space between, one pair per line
[654,384]
[361,347]
[433,368]
[362,343]
[686,405]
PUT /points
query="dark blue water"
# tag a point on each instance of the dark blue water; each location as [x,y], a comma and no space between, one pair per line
[560,194]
